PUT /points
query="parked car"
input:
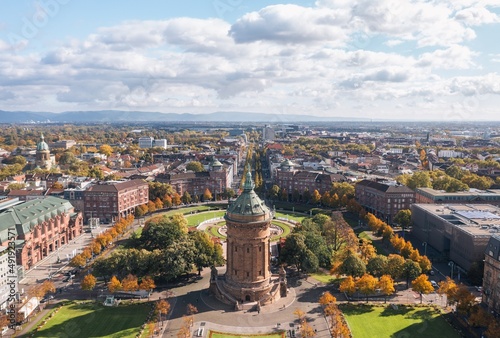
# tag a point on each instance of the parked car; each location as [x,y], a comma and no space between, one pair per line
[434,284]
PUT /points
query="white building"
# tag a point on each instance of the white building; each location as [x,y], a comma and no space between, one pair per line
[161,143]
[449,154]
[146,142]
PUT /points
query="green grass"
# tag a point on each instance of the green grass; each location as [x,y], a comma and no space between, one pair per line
[215,334]
[214,231]
[401,322]
[188,210]
[96,320]
[293,216]
[195,219]
[323,277]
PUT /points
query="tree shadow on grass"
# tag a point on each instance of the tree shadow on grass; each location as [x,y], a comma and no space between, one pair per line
[429,328]
[355,309]
[395,310]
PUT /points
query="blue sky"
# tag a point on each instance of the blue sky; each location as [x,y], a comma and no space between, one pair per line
[393,59]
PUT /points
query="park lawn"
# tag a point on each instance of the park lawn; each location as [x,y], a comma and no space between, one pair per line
[195,219]
[291,216]
[214,231]
[96,320]
[366,322]
[323,277]
[189,210]
[285,227]
[215,334]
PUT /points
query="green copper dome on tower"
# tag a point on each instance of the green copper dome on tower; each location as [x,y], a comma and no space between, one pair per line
[248,203]
[41,146]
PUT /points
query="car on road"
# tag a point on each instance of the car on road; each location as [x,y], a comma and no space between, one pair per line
[434,284]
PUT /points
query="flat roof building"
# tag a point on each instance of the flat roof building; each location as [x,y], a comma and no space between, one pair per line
[476,196]
[460,232]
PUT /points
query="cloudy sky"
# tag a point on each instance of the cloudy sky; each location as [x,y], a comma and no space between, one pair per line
[388,59]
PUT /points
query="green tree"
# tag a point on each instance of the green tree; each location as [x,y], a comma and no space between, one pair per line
[195,166]
[377,266]
[455,172]
[16,186]
[206,251]
[67,158]
[162,231]
[294,251]
[395,265]
[411,270]
[420,179]
[352,265]
[186,197]
[403,218]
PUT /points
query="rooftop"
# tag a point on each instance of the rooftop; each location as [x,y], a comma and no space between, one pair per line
[476,219]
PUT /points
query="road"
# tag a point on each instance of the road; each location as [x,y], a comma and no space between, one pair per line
[213,315]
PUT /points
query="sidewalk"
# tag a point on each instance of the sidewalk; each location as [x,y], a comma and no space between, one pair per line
[216,316]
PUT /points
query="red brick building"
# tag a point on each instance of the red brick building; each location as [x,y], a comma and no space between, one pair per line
[41,227]
[290,179]
[384,199]
[109,202]
[217,180]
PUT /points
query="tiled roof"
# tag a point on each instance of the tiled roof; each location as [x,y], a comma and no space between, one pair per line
[385,187]
[26,215]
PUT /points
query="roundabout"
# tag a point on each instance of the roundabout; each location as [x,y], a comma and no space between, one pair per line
[217,228]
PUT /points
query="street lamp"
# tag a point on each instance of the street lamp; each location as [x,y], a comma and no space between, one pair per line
[425,248]
[452,265]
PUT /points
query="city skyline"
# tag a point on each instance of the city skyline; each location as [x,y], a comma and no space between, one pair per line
[385,59]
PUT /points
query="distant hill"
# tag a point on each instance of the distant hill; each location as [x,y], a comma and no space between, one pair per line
[110,116]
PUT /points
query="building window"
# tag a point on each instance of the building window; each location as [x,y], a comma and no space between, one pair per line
[248,250]
[248,274]
[235,248]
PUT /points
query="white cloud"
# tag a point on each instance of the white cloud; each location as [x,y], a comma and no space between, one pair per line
[475,16]
[291,24]
[454,57]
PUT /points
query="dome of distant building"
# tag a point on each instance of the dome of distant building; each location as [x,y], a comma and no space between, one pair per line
[41,146]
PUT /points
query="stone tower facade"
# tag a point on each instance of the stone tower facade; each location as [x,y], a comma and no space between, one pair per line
[42,159]
[248,276]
